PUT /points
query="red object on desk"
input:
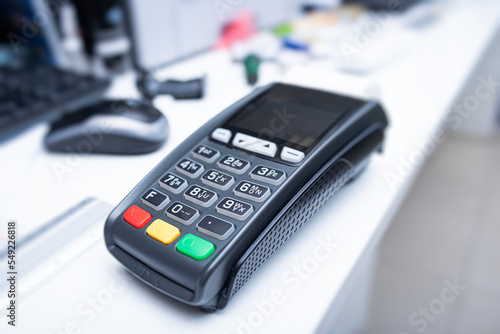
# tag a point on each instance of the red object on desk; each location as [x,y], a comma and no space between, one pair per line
[242,27]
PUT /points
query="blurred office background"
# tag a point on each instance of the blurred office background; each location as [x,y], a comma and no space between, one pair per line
[448,227]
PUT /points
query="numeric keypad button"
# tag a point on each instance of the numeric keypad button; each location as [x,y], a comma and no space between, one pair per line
[233,164]
[217,179]
[200,196]
[190,168]
[182,213]
[252,191]
[233,208]
[173,183]
[205,153]
[268,175]
[215,227]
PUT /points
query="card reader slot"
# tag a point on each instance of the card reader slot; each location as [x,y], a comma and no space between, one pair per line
[151,277]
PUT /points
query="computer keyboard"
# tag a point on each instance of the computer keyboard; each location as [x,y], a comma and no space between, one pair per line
[36,93]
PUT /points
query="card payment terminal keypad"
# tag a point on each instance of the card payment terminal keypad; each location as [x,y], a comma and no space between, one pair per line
[217,193]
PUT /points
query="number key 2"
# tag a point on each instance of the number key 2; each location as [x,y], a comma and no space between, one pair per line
[252,191]
[233,164]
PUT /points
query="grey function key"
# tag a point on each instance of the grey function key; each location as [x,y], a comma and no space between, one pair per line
[154,199]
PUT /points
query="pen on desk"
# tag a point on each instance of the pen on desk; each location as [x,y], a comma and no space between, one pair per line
[252,63]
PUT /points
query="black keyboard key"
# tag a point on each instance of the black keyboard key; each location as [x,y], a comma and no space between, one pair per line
[5,119]
[7,107]
[39,93]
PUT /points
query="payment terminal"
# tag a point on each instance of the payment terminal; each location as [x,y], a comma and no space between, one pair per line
[220,204]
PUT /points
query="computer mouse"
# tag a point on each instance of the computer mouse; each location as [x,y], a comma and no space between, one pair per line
[110,127]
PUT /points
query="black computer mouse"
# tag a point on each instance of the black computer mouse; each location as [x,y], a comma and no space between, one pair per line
[112,127]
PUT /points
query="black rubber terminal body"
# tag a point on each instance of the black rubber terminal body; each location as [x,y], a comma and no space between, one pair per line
[333,154]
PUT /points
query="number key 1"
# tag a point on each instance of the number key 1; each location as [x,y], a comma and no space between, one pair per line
[205,153]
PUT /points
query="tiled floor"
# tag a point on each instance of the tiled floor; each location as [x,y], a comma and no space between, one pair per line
[447,229]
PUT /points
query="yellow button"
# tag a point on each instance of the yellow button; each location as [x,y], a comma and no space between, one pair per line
[163,231]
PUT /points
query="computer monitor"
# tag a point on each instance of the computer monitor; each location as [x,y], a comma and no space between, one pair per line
[28,32]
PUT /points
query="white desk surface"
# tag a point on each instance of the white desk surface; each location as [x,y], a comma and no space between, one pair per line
[417,92]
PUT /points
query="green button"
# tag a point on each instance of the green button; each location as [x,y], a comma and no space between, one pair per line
[195,247]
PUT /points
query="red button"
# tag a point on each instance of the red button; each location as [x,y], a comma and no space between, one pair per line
[136,216]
